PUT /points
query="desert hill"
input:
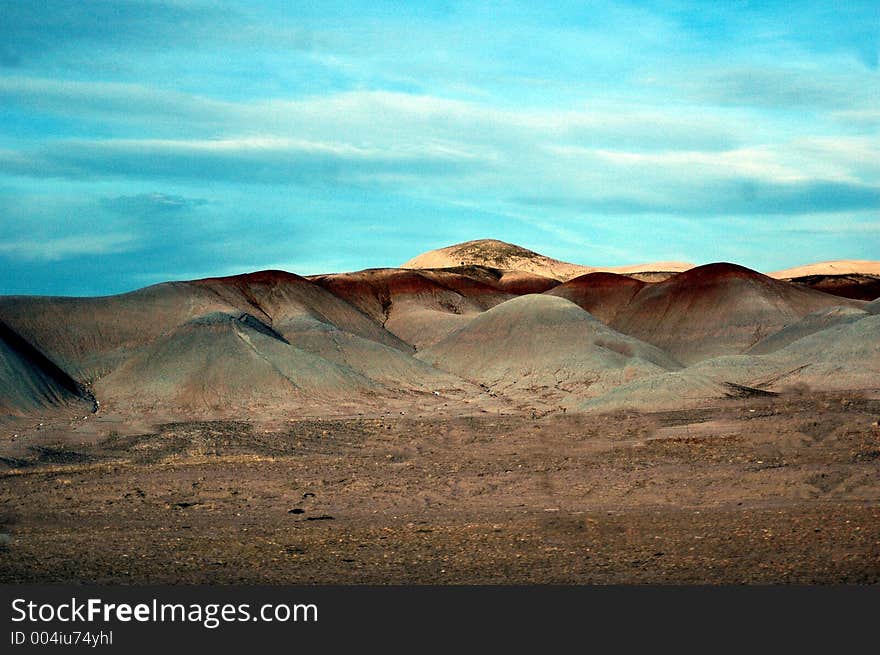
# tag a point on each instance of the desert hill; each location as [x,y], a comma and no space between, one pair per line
[717,309]
[544,345]
[484,312]
[835,267]
[857,279]
[224,364]
[287,301]
[601,294]
[852,285]
[809,324]
[419,307]
[89,337]
[513,282]
[219,363]
[842,355]
[496,254]
[30,381]
[508,256]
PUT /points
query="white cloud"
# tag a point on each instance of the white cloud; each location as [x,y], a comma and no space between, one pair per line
[620,158]
[55,249]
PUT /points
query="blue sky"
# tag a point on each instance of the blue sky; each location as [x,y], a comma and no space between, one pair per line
[148,140]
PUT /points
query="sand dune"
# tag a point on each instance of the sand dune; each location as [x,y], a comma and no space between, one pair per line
[716,309]
[541,344]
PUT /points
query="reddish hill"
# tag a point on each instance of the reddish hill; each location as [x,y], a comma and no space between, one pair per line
[89,337]
[854,285]
[420,307]
[288,302]
[717,309]
[518,283]
[601,294]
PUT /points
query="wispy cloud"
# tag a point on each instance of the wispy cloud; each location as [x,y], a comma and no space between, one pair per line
[735,197]
[249,160]
[56,249]
[780,87]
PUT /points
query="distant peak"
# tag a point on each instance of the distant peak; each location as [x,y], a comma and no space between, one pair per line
[718,270]
[270,276]
[482,248]
[497,254]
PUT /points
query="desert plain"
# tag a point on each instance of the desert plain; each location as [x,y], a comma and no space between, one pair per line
[481,414]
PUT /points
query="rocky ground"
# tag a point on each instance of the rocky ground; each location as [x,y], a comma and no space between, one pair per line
[764,490]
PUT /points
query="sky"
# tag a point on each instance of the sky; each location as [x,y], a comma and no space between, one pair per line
[151,140]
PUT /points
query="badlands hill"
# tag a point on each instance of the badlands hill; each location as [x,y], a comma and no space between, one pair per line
[836,267]
[221,362]
[857,286]
[89,337]
[222,345]
[418,307]
[543,344]
[227,365]
[859,279]
[828,350]
[493,314]
[601,294]
[508,256]
[717,309]
[29,381]
[809,324]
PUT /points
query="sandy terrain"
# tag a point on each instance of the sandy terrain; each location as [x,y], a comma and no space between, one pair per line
[772,490]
